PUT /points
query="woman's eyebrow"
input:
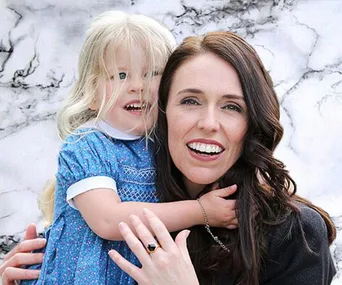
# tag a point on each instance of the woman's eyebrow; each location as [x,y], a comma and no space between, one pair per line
[190,90]
[198,91]
[234,96]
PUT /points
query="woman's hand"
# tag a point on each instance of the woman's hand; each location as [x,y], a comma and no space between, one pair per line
[168,264]
[10,269]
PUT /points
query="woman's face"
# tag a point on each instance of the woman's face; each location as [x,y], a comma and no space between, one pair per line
[207,120]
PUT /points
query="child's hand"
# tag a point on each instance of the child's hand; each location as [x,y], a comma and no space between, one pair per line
[220,212]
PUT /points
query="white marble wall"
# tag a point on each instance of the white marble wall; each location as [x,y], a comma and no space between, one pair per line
[299,41]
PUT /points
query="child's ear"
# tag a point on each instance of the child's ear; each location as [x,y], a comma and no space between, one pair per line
[94,105]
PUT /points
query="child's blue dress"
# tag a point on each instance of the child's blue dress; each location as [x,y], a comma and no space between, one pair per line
[74,254]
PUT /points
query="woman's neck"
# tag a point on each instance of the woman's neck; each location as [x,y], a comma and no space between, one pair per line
[192,188]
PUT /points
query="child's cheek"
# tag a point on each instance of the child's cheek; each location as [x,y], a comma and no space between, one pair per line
[155,88]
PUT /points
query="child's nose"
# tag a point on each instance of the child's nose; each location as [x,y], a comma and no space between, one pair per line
[137,85]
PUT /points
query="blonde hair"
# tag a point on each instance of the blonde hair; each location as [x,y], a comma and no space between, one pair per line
[110,28]
[118,29]
[46,202]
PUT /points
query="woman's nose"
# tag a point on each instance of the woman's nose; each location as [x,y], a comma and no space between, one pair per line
[209,120]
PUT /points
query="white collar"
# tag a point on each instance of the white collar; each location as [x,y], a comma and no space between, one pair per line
[106,128]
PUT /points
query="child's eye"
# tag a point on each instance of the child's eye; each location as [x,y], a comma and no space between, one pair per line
[156,73]
[189,101]
[232,107]
[122,75]
[153,73]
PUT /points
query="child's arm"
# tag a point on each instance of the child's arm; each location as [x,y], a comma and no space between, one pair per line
[103,211]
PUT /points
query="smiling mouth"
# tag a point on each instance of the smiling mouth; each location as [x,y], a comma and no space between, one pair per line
[205,149]
[137,107]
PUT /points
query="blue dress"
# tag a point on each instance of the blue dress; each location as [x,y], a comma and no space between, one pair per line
[74,253]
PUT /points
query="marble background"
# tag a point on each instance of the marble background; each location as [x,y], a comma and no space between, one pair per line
[299,42]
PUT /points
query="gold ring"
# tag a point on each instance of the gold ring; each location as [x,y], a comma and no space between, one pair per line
[152,247]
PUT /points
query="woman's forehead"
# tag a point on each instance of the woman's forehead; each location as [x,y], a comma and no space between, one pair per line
[207,72]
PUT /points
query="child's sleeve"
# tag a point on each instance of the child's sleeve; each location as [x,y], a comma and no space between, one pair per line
[85,164]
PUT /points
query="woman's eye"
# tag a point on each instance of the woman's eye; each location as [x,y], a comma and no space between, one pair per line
[233,107]
[189,101]
[122,75]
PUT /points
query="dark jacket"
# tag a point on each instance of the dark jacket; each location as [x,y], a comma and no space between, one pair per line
[290,261]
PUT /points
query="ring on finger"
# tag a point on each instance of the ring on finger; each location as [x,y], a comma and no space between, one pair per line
[152,247]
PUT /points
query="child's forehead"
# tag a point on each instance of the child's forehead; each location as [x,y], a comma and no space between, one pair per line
[124,55]
[124,51]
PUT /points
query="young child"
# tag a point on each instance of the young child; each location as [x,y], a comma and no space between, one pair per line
[105,166]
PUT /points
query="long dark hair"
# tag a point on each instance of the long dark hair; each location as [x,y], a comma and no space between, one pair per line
[266,192]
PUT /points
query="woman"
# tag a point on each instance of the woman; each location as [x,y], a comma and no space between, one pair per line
[219,122]
[215,92]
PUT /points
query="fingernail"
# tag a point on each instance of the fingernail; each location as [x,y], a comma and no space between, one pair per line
[187,233]
[42,241]
[131,217]
[134,219]
[121,226]
[146,211]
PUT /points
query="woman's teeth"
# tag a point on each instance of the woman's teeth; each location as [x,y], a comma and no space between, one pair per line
[205,148]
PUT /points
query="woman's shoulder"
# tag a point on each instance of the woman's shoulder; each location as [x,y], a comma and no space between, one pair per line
[311,221]
[298,250]
[305,227]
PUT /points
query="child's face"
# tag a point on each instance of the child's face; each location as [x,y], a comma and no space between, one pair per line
[127,114]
